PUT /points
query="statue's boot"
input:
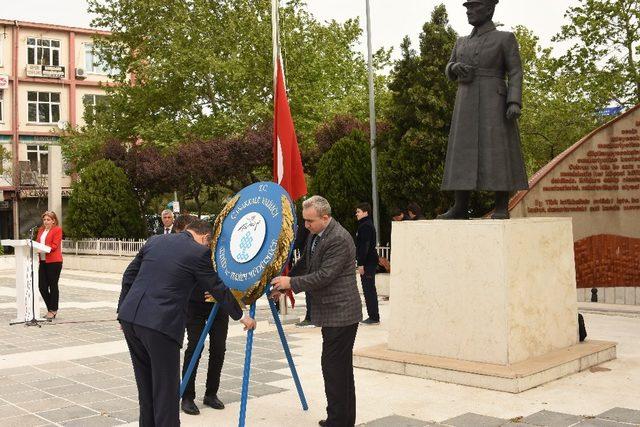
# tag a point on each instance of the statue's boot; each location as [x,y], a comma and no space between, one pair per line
[501,210]
[460,208]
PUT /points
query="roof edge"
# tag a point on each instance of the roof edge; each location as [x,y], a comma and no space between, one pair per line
[40,25]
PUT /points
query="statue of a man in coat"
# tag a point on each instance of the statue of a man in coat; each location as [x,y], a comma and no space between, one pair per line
[484,152]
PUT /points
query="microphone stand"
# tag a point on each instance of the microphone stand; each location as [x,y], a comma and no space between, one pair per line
[33,321]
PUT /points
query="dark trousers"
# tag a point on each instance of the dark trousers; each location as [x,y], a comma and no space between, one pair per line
[197,315]
[156,365]
[370,295]
[309,301]
[337,371]
[48,276]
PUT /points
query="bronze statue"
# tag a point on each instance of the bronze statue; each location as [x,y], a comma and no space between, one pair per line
[484,152]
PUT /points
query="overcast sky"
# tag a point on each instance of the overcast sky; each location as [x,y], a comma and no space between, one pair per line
[391,19]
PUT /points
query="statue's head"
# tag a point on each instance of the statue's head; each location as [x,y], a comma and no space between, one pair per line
[480,11]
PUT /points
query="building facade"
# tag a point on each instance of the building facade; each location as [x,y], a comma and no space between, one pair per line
[50,76]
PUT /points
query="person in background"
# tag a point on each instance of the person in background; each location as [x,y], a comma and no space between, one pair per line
[398,215]
[299,244]
[167,222]
[414,211]
[367,261]
[50,234]
[198,311]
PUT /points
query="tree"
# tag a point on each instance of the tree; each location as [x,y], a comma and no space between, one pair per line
[204,70]
[420,111]
[344,177]
[198,170]
[150,170]
[555,112]
[606,50]
[102,204]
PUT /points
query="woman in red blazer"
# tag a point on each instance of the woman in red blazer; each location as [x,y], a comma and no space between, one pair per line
[50,234]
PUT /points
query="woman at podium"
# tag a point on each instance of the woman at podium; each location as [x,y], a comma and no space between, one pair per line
[50,234]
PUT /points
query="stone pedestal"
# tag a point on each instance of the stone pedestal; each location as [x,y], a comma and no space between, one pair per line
[493,293]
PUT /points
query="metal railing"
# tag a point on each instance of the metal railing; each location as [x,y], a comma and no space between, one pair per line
[131,247]
[113,247]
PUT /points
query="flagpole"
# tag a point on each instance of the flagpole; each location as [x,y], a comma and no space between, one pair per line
[275,36]
[372,128]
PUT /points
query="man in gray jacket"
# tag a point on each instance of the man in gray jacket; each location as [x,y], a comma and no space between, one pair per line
[327,271]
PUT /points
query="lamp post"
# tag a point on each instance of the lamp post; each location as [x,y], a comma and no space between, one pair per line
[372,127]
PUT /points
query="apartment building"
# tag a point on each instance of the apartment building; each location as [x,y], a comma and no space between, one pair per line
[49,76]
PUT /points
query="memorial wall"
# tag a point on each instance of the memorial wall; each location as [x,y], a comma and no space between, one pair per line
[597,183]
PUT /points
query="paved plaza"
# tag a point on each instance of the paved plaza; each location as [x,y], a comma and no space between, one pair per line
[76,371]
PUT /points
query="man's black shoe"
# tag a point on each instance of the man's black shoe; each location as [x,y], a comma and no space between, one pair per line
[189,407]
[370,321]
[213,401]
[322,423]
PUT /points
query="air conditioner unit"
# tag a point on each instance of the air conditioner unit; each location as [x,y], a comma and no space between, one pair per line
[81,73]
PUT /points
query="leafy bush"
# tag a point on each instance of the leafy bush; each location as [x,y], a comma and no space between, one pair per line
[103,204]
[344,177]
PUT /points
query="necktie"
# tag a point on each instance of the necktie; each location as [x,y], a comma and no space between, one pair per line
[166,231]
[314,242]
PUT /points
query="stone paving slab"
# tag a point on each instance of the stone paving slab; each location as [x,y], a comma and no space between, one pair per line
[622,415]
[396,421]
[597,422]
[474,420]
[99,390]
[551,419]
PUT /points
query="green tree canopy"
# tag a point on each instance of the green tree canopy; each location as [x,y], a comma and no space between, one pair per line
[344,177]
[419,115]
[556,113]
[102,204]
[606,51]
[203,69]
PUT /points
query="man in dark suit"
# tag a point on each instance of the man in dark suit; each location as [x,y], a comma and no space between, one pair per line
[367,261]
[151,309]
[198,311]
[326,271]
[167,222]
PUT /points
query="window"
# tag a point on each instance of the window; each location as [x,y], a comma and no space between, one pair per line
[43,107]
[43,51]
[91,104]
[92,101]
[38,156]
[92,61]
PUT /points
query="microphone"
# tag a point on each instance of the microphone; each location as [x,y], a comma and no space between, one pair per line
[32,229]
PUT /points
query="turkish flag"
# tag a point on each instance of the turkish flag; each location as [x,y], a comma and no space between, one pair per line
[287,163]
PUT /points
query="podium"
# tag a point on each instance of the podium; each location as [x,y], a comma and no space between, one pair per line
[27,265]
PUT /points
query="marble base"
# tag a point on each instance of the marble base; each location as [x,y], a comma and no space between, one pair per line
[497,292]
[513,378]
